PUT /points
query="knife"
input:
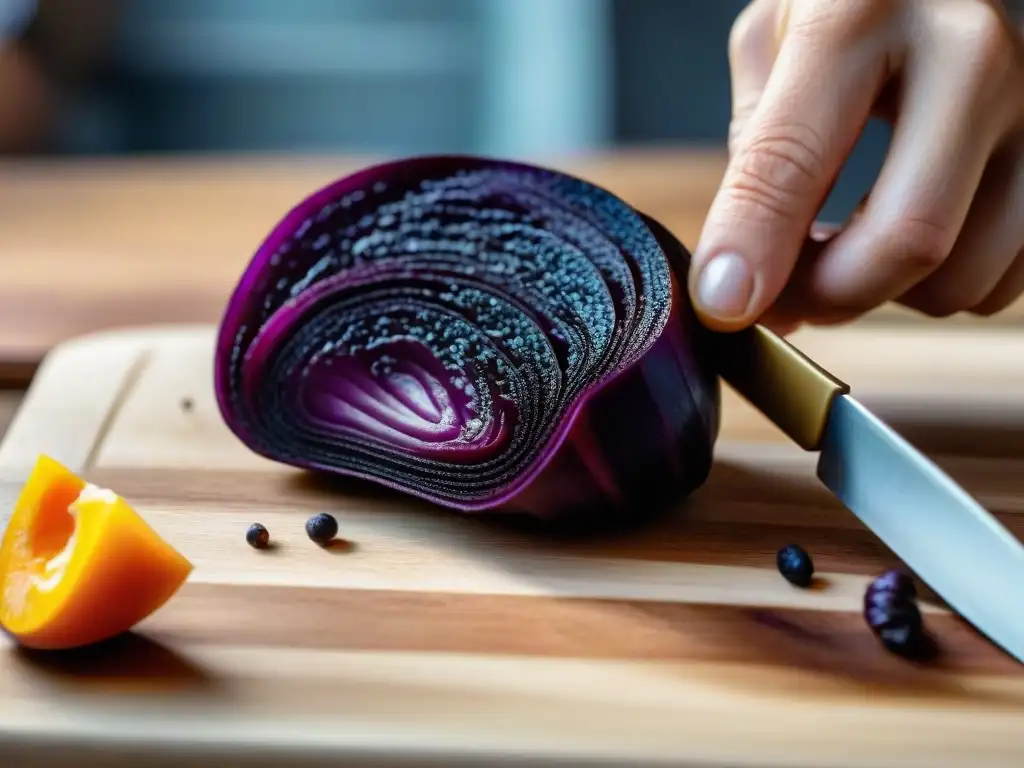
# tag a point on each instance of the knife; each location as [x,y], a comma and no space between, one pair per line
[951,542]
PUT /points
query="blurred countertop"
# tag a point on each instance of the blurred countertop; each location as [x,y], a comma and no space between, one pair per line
[93,244]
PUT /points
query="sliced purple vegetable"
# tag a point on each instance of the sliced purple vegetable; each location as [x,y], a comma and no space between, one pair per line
[481,334]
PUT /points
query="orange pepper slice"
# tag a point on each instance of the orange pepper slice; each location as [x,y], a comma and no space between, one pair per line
[78,565]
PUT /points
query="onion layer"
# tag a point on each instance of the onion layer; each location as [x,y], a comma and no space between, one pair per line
[478,333]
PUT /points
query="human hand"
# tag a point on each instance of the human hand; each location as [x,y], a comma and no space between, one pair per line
[942,231]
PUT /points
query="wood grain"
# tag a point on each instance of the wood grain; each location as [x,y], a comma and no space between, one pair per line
[412,621]
[429,638]
[96,244]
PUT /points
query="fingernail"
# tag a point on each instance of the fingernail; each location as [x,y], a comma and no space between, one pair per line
[822,231]
[726,286]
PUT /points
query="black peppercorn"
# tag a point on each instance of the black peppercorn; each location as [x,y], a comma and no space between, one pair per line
[795,565]
[322,528]
[187,404]
[257,536]
[891,611]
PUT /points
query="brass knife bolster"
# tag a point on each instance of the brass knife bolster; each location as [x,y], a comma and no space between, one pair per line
[780,381]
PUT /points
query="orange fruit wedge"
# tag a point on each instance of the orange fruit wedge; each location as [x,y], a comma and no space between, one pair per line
[78,565]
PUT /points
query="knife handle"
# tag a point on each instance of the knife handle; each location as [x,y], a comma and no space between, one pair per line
[780,381]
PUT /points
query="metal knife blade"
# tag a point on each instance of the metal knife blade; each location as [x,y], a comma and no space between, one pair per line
[942,533]
[936,528]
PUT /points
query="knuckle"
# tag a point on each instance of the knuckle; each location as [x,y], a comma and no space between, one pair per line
[983,40]
[777,169]
[919,244]
[993,60]
[844,23]
[984,24]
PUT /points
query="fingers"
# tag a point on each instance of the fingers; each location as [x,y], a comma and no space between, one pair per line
[812,109]
[989,243]
[948,127]
[1007,290]
[1006,230]
[822,231]
[792,305]
[753,44]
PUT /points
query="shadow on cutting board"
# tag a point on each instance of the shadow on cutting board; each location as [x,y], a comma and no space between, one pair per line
[834,651]
[128,663]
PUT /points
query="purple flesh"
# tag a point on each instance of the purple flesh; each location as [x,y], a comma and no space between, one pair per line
[478,333]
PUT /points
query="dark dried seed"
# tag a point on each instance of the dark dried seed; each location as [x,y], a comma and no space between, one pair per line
[322,528]
[902,630]
[795,565]
[257,536]
[891,611]
[897,582]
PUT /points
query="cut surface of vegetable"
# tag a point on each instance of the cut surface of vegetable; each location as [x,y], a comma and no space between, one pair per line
[480,333]
[78,565]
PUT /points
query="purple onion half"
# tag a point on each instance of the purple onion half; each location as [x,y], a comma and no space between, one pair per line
[478,333]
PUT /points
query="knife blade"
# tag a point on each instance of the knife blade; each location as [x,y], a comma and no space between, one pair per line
[931,523]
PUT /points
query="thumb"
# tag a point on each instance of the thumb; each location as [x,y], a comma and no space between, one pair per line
[784,156]
[753,46]
[752,51]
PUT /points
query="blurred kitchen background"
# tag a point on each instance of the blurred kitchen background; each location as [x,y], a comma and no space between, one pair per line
[526,78]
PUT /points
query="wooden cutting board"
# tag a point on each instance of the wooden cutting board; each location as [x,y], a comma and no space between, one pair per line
[433,639]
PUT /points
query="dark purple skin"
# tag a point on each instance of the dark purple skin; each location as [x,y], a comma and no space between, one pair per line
[891,611]
[482,334]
